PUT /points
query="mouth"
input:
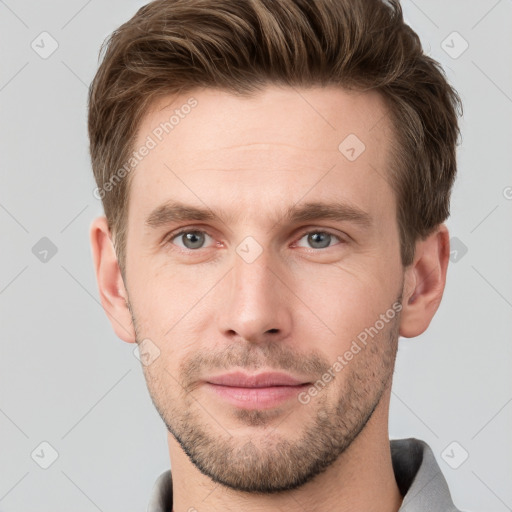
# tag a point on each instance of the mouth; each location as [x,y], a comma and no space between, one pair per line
[260,391]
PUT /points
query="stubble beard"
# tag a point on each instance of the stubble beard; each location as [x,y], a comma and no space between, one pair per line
[267,462]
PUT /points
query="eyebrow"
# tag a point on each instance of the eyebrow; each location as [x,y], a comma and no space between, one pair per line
[175,211]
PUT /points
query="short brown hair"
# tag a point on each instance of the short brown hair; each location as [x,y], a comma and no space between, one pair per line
[240,46]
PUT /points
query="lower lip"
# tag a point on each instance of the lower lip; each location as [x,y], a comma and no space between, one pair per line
[256,398]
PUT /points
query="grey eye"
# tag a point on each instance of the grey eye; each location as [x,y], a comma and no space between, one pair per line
[319,239]
[191,239]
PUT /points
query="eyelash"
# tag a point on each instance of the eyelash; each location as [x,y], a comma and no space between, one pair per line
[171,236]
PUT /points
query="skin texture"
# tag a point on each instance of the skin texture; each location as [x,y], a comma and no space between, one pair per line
[295,309]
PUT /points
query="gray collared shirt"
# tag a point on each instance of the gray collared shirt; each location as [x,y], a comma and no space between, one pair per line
[417,474]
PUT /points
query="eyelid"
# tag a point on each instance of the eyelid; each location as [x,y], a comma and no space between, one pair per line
[180,231]
[342,237]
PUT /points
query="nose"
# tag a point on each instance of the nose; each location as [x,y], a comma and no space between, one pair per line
[255,305]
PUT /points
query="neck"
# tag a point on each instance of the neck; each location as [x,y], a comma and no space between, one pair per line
[361,479]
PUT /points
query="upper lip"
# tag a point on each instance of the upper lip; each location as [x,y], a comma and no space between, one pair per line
[261,380]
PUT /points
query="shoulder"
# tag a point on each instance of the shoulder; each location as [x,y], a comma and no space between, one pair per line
[161,495]
[419,477]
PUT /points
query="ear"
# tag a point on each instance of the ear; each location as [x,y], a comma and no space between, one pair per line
[424,282]
[111,286]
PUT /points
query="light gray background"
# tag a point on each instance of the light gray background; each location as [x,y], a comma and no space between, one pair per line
[67,380]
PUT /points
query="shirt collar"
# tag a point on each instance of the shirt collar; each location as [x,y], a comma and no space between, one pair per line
[418,476]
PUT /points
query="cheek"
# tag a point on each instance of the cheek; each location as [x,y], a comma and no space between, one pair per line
[170,305]
[156,306]
[344,301]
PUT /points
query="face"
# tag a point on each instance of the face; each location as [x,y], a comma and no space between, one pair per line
[271,317]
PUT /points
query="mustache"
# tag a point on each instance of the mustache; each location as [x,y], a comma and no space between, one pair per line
[273,356]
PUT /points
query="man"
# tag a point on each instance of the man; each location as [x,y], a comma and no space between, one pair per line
[275,175]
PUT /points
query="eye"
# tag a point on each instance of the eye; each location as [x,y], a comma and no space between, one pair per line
[191,238]
[194,239]
[319,239]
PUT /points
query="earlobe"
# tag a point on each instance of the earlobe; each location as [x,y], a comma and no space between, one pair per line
[111,287]
[424,283]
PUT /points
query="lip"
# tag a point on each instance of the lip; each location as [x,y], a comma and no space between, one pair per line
[261,391]
[261,380]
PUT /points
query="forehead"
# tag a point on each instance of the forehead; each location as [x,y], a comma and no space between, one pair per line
[281,143]
[317,117]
